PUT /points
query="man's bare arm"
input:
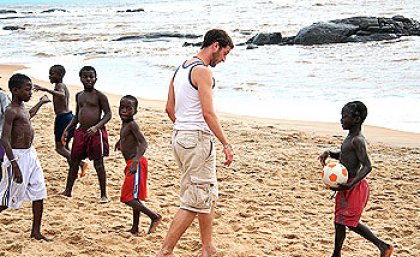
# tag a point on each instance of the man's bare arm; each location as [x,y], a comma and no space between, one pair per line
[204,80]
[202,77]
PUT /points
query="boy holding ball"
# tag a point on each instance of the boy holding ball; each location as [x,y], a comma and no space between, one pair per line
[352,196]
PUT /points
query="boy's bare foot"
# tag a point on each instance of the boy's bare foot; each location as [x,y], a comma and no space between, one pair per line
[387,252]
[154,224]
[83,167]
[39,236]
[104,199]
[134,231]
[65,193]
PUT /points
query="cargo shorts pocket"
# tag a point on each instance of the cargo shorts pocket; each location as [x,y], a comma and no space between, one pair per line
[198,196]
[187,141]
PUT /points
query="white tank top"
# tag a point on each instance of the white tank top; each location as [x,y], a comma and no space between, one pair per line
[188,111]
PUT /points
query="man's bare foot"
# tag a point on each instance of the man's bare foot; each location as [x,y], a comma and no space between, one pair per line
[387,252]
[83,168]
[154,224]
[39,236]
[104,199]
[212,252]
[65,193]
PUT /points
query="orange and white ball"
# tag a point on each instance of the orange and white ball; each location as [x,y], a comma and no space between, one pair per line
[334,173]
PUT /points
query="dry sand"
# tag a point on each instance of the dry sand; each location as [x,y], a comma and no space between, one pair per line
[272,201]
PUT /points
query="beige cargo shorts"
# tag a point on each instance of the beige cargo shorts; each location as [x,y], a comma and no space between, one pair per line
[195,154]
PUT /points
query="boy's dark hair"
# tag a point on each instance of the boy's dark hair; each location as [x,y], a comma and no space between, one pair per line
[59,68]
[217,35]
[18,80]
[132,98]
[86,68]
[357,109]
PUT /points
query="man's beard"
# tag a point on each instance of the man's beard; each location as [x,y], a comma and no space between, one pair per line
[213,60]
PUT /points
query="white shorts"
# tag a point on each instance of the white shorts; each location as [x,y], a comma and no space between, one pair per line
[33,186]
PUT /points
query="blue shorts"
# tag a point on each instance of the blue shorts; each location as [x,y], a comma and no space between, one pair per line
[2,152]
[60,123]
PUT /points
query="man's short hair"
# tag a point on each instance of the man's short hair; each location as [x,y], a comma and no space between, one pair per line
[132,98]
[357,109]
[217,35]
[18,80]
[59,68]
[86,68]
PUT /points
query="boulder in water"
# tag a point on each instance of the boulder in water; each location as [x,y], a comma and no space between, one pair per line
[13,28]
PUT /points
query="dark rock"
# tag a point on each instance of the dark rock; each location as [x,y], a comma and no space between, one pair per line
[288,40]
[13,28]
[415,32]
[358,29]
[54,10]
[199,44]
[252,46]
[9,18]
[359,21]
[325,33]
[7,11]
[363,33]
[132,10]
[127,38]
[157,36]
[246,33]
[373,37]
[353,29]
[266,39]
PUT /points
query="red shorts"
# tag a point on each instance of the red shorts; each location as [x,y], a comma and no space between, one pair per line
[349,204]
[95,146]
[134,187]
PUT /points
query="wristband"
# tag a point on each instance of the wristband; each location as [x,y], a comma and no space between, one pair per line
[226,146]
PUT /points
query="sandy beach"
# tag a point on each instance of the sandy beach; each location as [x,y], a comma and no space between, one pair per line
[272,201]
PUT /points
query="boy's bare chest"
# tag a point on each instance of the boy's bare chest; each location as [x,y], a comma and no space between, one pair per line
[126,135]
[89,100]
[22,124]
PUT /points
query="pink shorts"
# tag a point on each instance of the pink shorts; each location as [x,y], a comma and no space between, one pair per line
[349,204]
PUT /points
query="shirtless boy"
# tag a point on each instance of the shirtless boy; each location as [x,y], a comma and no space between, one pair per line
[90,137]
[24,178]
[63,114]
[352,197]
[133,145]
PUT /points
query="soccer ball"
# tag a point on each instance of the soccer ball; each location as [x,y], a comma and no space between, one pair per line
[334,173]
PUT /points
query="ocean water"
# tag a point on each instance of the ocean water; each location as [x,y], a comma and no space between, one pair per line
[287,82]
